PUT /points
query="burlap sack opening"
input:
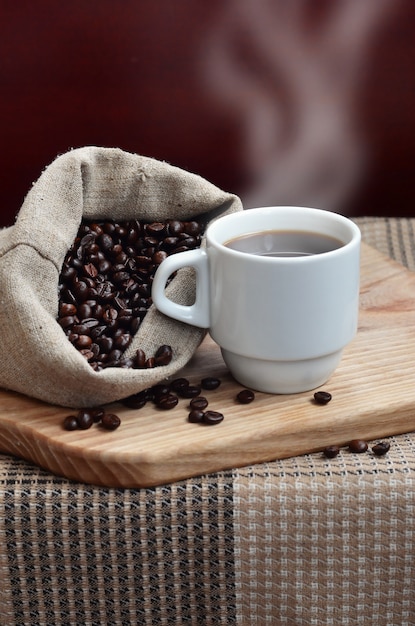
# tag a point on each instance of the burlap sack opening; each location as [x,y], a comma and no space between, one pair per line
[36,358]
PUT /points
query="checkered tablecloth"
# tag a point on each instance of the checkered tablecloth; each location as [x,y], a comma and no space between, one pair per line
[300,541]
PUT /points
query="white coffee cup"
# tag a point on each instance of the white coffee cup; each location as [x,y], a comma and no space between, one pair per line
[281,321]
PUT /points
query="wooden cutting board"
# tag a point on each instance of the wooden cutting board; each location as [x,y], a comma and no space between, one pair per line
[373,393]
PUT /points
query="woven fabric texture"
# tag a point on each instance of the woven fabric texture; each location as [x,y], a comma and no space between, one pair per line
[301,541]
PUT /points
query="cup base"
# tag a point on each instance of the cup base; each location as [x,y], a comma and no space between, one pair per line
[281,377]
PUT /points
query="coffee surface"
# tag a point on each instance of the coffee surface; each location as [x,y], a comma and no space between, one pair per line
[284,243]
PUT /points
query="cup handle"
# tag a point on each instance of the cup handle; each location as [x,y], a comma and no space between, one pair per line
[196,314]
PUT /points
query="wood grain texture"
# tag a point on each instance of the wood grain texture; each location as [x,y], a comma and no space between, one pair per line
[373,396]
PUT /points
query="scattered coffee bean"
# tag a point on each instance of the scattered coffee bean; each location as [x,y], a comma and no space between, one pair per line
[179,383]
[210,383]
[381,448]
[105,286]
[322,397]
[358,446]
[195,416]
[167,402]
[158,392]
[198,403]
[70,422]
[110,421]
[136,400]
[212,417]
[191,391]
[245,396]
[331,451]
[97,414]
[84,419]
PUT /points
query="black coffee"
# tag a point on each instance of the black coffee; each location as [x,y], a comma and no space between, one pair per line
[284,243]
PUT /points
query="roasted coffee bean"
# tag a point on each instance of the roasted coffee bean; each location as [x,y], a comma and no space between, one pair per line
[70,423]
[163,355]
[67,322]
[67,309]
[84,419]
[175,227]
[195,416]
[167,402]
[210,383]
[108,227]
[170,242]
[358,446]
[109,315]
[191,391]
[331,451]
[68,273]
[136,400]
[212,417]
[381,448]
[181,248]
[140,359]
[97,413]
[81,291]
[192,228]
[89,323]
[88,354]
[122,341]
[90,270]
[114,355]
[94,348]
[110,421]
[245,396]
[159,391]
[179,383]
[156,229]
[198,403]
[79,329]
[105,241]
[83,341]
[84,311]
[322,397]
[106,344]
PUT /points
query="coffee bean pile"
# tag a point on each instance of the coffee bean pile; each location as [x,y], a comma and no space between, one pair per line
[85,418]
[105,286]
[166,396]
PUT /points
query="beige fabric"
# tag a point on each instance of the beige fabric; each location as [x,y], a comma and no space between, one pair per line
[327,542]
[36,358]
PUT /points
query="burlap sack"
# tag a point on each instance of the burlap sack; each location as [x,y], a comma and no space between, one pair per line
[36,358]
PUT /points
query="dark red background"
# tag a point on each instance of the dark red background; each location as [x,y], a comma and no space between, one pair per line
[127,74]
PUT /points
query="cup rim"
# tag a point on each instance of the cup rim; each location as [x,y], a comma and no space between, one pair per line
[333,217]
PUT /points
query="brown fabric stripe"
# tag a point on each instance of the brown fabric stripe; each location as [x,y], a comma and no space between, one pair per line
[76,554]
